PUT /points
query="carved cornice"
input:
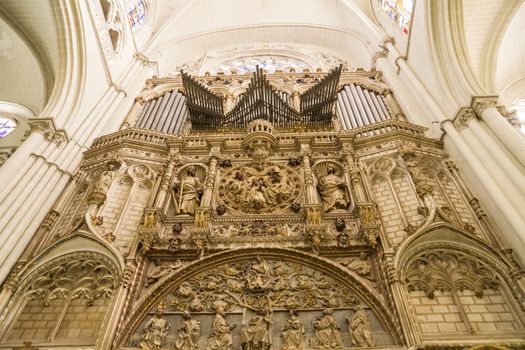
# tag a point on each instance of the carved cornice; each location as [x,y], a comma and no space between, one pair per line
[463,117]
[480,103]
[47,127]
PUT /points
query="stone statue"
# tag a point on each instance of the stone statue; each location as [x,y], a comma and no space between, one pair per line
[259,274]
[332,190]
[257,194]
[293,332]
[189,333]
[190,190]
[220,337]
[327,331]
[256,335]
[105,180]
[155,329]
[359,329]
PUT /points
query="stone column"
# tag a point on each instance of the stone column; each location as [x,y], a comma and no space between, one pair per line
[462,122]
[352,172]
[166,178]
[392,104]
[12,167]
[508,210]
[133,114]
[485,108]
[210,178]
[509,166]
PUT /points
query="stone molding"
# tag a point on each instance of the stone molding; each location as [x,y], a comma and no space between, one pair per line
[463,117]
[46,127]
[480,103]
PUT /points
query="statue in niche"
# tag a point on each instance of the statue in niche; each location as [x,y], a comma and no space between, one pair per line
[359,329]
[332,190]
[260,274]
[105,180]
[190,191]
[189,333]
[220,337]
[293,332]
[327,331]
[256,335]
[155,330]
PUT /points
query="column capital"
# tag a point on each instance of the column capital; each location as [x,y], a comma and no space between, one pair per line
[480,103]
[463,117]
[46,126]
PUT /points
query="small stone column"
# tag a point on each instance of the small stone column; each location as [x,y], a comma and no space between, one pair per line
[166,179]
[392,105]
[133,114]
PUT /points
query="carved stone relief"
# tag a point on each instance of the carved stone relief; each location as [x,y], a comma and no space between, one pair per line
[259,190]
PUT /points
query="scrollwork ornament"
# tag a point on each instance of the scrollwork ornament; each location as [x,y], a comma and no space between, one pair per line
[148,238]
[315,236]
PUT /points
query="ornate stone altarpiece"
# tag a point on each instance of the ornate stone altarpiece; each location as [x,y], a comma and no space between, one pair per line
[271,237]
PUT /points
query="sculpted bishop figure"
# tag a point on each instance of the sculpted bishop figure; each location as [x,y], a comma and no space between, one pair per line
[327,331]
[189,333]
[293,332]
[256,335]
[359,329]
[220,337]
[155,330]
[332,190]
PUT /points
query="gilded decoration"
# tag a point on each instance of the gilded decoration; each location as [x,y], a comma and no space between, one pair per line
[259,190]
[258,224]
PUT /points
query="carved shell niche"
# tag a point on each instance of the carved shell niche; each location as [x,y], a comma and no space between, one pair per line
[321,167]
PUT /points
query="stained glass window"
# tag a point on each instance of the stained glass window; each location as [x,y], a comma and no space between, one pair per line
[6,126]
[136,13]
[399,11]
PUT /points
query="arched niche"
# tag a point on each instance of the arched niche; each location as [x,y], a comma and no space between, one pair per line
[457,285]
[62,296]
[250,279]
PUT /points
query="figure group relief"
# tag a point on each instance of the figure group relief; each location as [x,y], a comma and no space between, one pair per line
[259,190]
[287,305]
